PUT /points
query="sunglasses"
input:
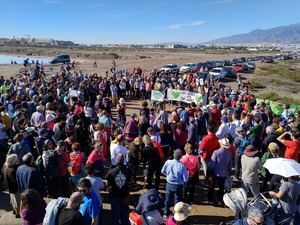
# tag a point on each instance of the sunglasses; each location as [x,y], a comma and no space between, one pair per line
[82,190]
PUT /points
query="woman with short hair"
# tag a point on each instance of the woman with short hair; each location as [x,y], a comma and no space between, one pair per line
[10,181]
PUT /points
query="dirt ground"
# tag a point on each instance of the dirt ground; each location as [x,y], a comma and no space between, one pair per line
[201,213]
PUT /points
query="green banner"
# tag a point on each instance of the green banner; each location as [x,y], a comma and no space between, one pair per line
[277,108]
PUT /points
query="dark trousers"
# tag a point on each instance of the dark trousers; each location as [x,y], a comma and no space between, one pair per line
[119,211]
[52,186]
[220,181]
[189,189]
[151,171]
[237,165]
[64,186]
[172,190]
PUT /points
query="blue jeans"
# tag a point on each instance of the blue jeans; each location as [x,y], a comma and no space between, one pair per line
[119,210]
[177,191]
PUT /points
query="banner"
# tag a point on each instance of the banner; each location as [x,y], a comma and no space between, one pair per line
[157,96]
[277,108]
[184,96]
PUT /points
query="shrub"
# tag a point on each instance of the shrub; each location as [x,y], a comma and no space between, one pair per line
[256,84]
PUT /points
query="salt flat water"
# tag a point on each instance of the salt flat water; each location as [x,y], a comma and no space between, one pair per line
[6,59]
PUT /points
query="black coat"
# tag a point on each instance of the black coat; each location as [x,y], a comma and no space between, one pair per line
[10,180]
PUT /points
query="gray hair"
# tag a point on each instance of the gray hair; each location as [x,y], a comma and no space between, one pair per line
[11,160]
[255,214]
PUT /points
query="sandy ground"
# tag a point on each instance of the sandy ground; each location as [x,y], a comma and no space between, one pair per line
[201,213]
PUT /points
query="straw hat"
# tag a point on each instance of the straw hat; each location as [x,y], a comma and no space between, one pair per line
[121,100]
[250,151]
[225,142]
[182,211]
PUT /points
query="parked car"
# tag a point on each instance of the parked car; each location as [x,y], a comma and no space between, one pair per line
[267,59]
[240,67]
[170,68]
[251,66]
[219,63]
[217,73]
[228,63]
[60,59]
[229,72]
[188,67]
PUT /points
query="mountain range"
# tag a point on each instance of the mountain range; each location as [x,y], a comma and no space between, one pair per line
[279,35]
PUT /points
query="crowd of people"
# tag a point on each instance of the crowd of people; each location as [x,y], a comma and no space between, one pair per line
[59,138]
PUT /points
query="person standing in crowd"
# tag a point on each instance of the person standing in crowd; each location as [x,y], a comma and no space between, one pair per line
[292,146]
[177,176]
[191,163]
[118,179]
[19,147]
[71,215]
[131,129]
[76,163]
[51,169]
[63,162]
[10,181]
[97,159]
[134,152]
[272,153]
[240,143]
[181,135]
[28,176]
[89,209]
[220,168]
[251,165]
[223,128]
[118,148]
[153,158]
[289,196]
[32,207]
[208,145]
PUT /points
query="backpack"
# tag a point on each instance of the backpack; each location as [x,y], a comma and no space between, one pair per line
[244,142]
[50,163]
[53,210]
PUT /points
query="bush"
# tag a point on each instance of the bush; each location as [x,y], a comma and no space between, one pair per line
[282,71]
[256,84]
[272,96]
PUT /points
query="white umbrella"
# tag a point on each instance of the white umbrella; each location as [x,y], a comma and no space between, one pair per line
[283,167]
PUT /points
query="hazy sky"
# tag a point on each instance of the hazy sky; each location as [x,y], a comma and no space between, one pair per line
[142,21]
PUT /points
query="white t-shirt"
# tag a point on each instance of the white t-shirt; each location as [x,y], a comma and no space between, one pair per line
[97,184]
[115,150]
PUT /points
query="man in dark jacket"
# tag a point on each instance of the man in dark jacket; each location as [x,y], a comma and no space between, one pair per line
[28,175]
[118,179]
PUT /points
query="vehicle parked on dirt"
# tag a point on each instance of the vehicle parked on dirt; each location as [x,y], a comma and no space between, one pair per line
[217,73]
[188,67]
[64,58]
[267,59]
[229,72]
[240,67]
[170,68]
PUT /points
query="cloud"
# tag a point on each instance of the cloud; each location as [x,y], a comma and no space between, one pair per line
[190,24]
[222,1]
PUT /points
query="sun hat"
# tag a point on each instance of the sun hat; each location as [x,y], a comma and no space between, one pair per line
[250,151]
[273,147]
[121,100]
[29,129]
[225,142]
[182,211]
[40,108]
